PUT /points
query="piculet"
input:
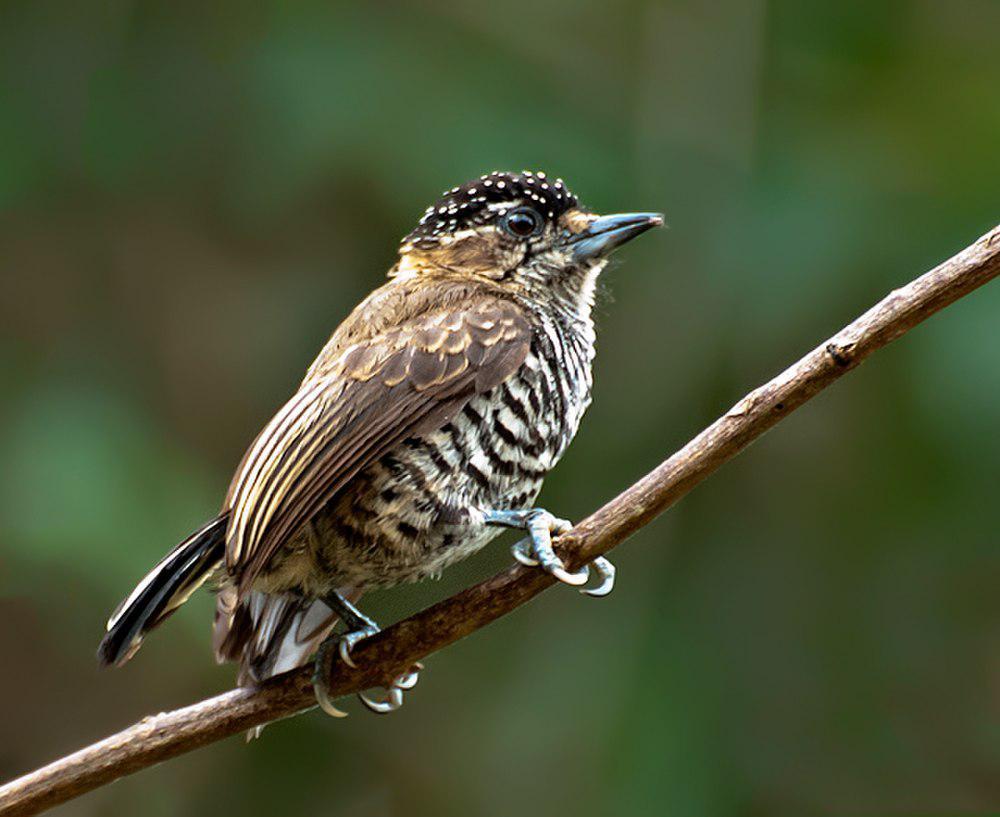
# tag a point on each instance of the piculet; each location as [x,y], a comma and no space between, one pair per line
[426,425]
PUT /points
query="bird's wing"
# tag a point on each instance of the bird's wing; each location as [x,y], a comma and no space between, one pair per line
[404,381]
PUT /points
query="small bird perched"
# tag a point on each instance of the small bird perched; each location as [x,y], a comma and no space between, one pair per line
[426,424]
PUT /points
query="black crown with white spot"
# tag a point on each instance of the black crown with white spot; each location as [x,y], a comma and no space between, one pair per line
[471,204]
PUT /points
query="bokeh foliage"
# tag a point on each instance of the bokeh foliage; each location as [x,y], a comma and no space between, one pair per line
[193,195]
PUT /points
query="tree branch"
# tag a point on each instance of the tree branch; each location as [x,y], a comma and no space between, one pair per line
[380,658]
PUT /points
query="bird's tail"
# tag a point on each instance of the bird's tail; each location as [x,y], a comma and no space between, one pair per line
[165,588]
[269,633]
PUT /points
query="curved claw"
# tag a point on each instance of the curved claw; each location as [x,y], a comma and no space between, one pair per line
[345,653]
[536,550]
[348,640]
[326,702]
[576,579]
[408,680]
[320,688]
[345,644]
[391,704]
[526,552]
[394,699]
[606,572]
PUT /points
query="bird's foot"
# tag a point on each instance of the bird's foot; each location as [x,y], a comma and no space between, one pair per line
[321,686]
[525,553]
[345,643]
[394,692]
[536,550]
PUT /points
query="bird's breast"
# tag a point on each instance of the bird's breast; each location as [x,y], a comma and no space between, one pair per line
[415,511]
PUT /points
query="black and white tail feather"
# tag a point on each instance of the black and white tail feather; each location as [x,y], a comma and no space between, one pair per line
[165,588]
[267,634]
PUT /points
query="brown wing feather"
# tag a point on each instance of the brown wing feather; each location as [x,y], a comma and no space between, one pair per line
[404,381]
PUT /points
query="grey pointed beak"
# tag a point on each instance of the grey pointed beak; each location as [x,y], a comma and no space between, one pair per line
[606,233]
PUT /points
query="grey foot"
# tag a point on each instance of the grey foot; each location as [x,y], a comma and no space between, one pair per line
[345,643]
[394,694]
[348,640]
[536,550]
[524,553]
[319,680]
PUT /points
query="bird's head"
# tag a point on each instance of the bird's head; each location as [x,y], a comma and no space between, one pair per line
[521,230]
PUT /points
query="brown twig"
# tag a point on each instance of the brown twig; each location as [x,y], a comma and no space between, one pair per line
[163,736]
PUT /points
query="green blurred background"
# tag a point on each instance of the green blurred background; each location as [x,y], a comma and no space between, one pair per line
[193,195]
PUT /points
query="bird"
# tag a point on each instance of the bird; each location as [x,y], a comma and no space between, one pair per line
[426,425]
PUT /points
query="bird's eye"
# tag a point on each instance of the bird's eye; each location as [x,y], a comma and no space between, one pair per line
[522,222]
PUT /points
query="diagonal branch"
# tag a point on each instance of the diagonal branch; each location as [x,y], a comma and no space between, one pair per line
[384,656]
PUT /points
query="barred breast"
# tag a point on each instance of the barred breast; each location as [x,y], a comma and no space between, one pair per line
[418,509]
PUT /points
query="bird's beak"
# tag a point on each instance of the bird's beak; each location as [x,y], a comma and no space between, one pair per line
[605,233]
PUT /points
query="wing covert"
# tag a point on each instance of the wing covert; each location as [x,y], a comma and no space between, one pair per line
[350,412]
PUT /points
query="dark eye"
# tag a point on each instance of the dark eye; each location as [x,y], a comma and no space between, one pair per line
[522,222]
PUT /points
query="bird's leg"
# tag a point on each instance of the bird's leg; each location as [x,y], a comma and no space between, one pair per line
[358,626]
[536,550]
